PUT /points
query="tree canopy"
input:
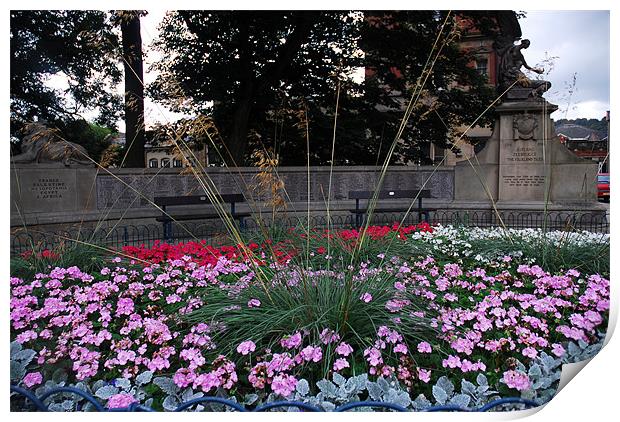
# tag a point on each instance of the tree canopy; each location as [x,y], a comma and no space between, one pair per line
[270,79]
[250,69]
[84,47]
[78,44]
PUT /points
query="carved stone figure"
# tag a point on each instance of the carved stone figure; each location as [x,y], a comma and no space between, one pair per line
[41,145]
[511,60]
[509,73]
[524,125]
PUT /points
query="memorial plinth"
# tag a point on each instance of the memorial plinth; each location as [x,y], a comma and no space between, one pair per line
[524,166]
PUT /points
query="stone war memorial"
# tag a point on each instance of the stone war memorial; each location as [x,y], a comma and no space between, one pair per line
[523,166]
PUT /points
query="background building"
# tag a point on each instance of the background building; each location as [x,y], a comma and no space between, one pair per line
[166,155]
[586,143]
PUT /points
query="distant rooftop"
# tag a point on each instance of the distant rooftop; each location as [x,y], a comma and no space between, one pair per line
[573,131]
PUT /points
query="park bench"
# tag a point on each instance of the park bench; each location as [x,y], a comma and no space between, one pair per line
[389,194]
[167,217]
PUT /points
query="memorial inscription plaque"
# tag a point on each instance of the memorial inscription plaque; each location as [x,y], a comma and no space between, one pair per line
[49,188]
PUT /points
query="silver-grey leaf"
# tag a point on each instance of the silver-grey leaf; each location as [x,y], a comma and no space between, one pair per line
[446,385]
[461,400]
[17,371]
[144,378]
[374,391]
[123,383]
[327,387]
[167,385]
[250,399]
[421,402]
[338,379]
[440,394]
[573,349]
[106,392]
[467,387]
[383,384]
[16,346]
[329,407]
[534,371]
[56,407]
[24,356]
[170,403]
[303,387]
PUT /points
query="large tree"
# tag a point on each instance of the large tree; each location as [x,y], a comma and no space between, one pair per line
[270,79]
[80,45]
[84,47]
[249,70]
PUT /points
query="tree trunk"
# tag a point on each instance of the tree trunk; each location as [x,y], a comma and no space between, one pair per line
[238,140]
[252,87]
[134,89]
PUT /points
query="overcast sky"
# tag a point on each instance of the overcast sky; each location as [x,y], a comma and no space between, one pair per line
[580,40]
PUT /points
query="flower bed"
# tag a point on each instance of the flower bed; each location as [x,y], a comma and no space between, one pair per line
[280,320]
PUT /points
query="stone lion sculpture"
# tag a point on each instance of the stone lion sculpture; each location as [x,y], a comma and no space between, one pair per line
[42,145]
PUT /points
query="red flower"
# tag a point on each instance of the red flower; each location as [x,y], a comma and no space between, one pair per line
[49,254]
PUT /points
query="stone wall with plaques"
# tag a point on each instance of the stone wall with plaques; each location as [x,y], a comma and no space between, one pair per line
[66,195]
[136,189]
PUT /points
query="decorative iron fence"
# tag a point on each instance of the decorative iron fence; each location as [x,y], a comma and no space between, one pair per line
[30,402]
[213,231]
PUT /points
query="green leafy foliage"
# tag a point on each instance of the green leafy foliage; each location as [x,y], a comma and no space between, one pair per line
[78,44]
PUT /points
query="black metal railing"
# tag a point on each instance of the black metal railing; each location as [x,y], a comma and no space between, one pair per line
[30,402]
[213,231]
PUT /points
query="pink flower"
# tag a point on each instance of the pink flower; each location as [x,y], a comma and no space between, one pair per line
[451,362]
[291,342]
[340,364]
[173,299]
[329,336]
[401,348]
[374,356]
[283,384]
[32,378]
[424,375]
[253,303]
[312,353]
[194,356]
[120,400]
[516,380]
[558,350]
[344,349]
[183,377]
[279,363]
[530,352]
[366,297]
[246,347]
[424,347]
